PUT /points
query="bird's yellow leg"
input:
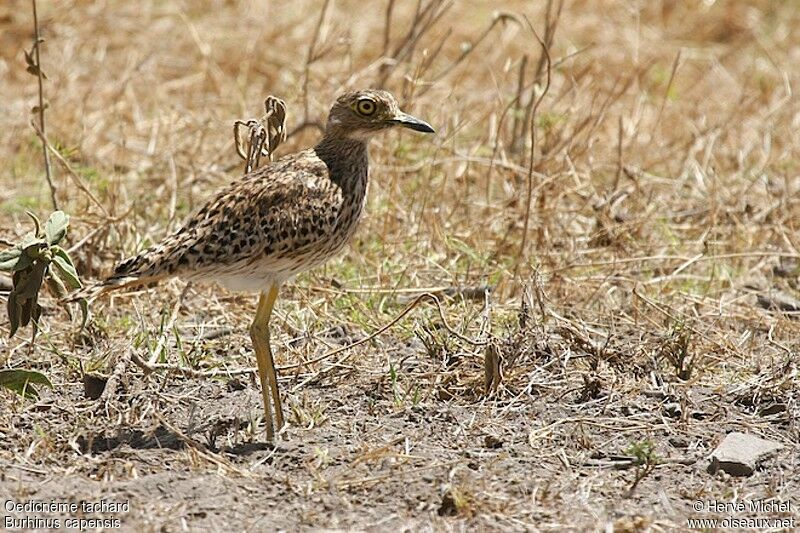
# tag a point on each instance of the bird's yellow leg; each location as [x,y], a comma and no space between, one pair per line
[259,333]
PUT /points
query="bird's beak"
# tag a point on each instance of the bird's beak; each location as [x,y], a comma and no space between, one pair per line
[412,123]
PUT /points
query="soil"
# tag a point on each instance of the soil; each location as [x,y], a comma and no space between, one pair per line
[396,436]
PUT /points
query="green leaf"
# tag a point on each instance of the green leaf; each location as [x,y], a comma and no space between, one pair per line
[84,303]
[56,285]
[64,265]
[34,249]
[21,256]
[22,381]
[13,260]
[30,239]
[12,253]
[56,227]
[14,312]
[29,285]
[36,312]
[25,316]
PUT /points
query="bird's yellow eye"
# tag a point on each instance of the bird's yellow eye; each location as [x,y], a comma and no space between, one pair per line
[365,107]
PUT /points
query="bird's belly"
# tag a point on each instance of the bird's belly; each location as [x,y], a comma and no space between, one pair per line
[269,261]
[259,274]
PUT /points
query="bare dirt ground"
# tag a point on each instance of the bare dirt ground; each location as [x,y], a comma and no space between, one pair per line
[639,241]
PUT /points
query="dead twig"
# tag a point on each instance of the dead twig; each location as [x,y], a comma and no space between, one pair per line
[382,329]
[112,382]
[33,60]
[72,174]
[311,57]
[523,247]
[200,449]
[387,27]
[424,19]
[501,17]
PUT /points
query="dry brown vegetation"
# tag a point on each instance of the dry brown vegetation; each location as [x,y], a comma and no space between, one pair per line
[640,241]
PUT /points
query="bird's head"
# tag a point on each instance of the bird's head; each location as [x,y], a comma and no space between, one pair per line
[361,114]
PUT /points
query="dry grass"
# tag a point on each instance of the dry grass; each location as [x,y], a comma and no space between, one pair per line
[658,187]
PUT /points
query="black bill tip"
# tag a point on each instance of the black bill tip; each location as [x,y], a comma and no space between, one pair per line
[413,123]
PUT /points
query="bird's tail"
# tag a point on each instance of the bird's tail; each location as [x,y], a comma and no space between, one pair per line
[88,293]
[114,283]
[133,272]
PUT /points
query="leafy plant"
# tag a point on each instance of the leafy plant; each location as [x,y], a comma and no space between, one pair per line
[645,459]
[643,453]
[22,381]
[36,260]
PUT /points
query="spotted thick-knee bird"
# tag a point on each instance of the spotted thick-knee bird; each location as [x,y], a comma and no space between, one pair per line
[279,220]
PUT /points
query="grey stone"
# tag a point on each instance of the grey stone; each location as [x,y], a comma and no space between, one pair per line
[739,453]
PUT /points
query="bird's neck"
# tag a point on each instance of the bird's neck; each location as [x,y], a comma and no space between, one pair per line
[346,158]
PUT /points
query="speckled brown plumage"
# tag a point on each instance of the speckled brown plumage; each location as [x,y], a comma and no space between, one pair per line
[277,221]
[281,219]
